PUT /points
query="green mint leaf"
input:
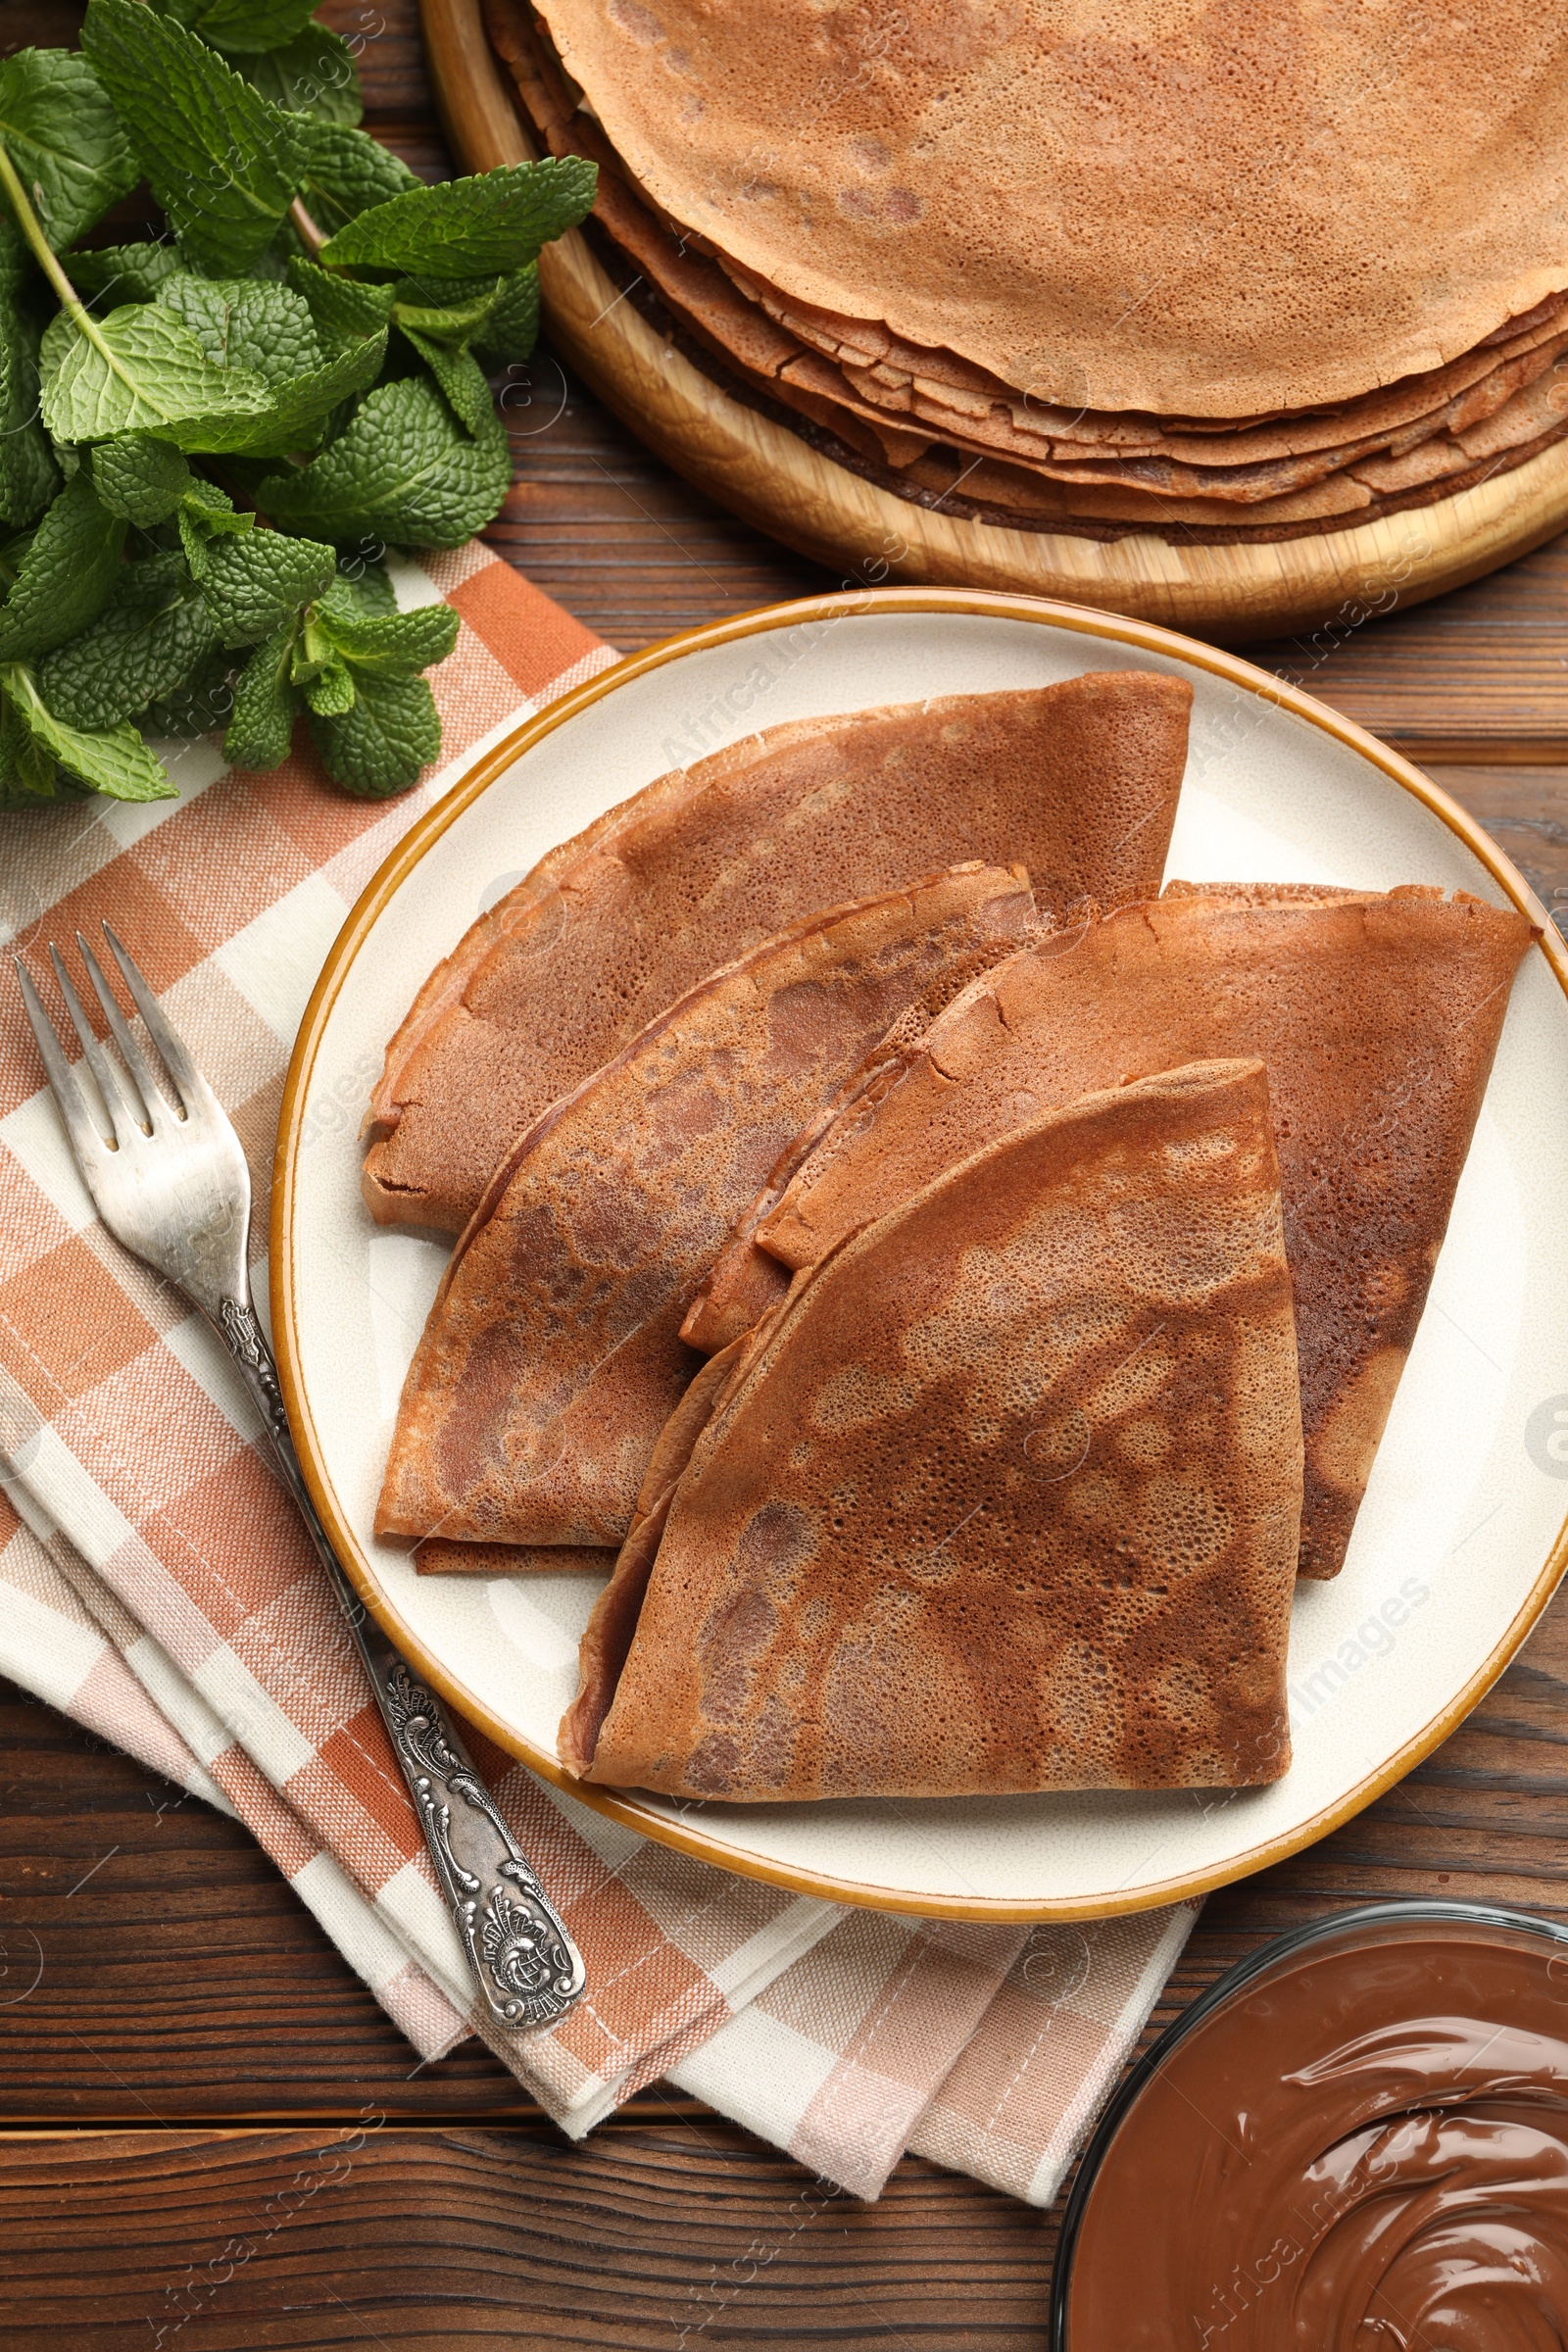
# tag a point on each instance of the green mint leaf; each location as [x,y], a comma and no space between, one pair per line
[513,328]
[202,705]
[313,74]
[12,558]
[269,328]
[460,376]
[242,24]
[449,310]
[361,592]
[13,798]
[404,471]
[61,132]
[260,729]
[115,760]
[346,171]
[65,576]
[504,311]
[496,221]
[223,162]
[130,273]
[247,322]
[301,411]
[392,645]
[330,693]
[345,311]
[206,514]
[195,544]
[440,318]
[139,478]
[211,512]
[28,776]
[254,585]
[28,476]
[313,651]
[379,747]
[137,370]
[152,636]
[16,262]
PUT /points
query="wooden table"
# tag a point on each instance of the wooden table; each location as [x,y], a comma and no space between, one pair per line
[200,2058]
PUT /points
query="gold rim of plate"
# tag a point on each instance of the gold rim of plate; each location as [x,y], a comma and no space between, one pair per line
[771,477]
[384,885]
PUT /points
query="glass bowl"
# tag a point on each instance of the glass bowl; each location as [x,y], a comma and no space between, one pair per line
[1367,1928]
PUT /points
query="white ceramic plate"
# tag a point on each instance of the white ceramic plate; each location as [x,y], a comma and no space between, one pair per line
[1461,1535]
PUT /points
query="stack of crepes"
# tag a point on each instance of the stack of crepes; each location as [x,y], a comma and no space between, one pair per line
[1228,273]
[1054,1247]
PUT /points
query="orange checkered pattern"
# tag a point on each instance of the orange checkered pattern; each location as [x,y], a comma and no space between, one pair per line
[155,1584]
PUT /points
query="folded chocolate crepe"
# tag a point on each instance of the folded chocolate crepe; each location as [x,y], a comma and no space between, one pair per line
[1377,1016]
[1078,782]
[552,1356]
[1004,1498]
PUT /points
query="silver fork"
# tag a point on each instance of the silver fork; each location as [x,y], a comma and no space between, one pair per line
[170,1183]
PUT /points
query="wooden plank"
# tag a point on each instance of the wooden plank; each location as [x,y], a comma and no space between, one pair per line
[1477,677]
[609,531]
[674,2236]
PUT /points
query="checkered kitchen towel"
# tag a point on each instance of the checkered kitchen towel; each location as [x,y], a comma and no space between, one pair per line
[155,1585]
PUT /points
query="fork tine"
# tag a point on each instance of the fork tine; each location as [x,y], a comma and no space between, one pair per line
[122,1116]
[135,1060]
[194,1091]
[85,1140]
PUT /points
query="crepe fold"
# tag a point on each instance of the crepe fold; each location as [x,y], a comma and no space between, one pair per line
[1004,1498]
[1218,210]
[1377,1016]
[552,1357]
[1076,781]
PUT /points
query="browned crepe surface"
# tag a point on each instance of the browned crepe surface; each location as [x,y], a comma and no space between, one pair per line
[912,392]
[1218,210]
[440,1557]
[1077,781]
[1007,1496]
[936,429]
[608,1635]
[552,1359]
[1377,1016]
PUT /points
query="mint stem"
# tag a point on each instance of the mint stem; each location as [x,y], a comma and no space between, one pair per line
[31,228]
[305,228]
[71,302]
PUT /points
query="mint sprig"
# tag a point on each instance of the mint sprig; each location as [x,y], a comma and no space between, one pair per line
[225,164]
[193,425]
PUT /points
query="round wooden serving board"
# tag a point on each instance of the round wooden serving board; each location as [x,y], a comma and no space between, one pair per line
[765,474]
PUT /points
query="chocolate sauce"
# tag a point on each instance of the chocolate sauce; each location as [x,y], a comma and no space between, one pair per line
[1365,2149]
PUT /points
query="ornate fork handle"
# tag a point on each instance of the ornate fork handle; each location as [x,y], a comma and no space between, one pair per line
[525,1962]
